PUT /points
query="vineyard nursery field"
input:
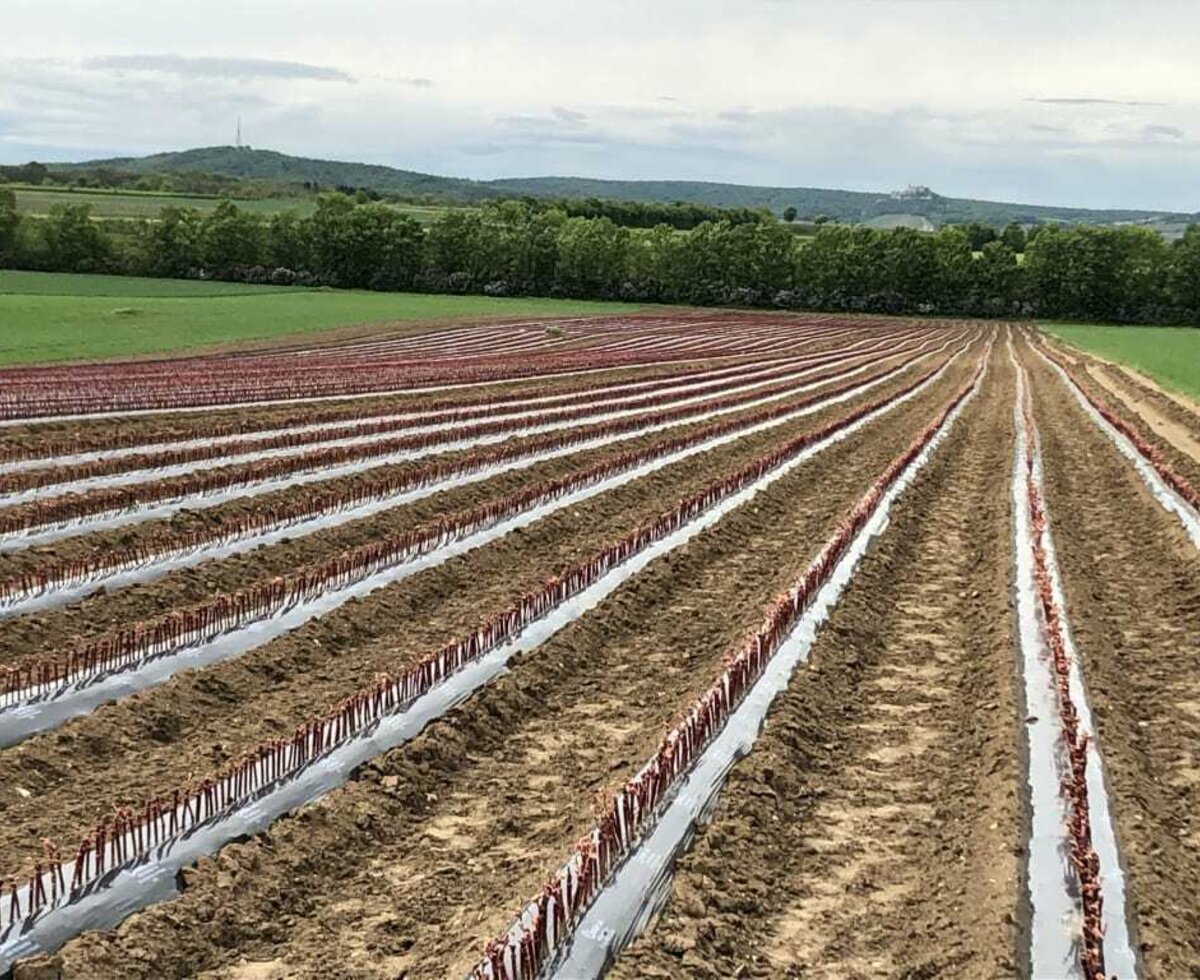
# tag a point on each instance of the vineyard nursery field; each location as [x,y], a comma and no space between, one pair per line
[570,643]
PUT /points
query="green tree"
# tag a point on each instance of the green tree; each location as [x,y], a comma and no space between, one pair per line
[979,234]
[1014,237]
[231,238]
[368,246]
[789,214]
[1184,276]
[592,257]
[955,263]
[287,242]
[451,252]
[74,243]
[995,281]
[173,245]
[10,221]
[1115,274]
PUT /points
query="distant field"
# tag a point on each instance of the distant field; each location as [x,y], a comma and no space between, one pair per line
[70,284]
[1170,355]
[38,201]
[126,204]
[53,317]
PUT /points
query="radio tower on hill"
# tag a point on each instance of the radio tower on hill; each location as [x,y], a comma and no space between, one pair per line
[239,132]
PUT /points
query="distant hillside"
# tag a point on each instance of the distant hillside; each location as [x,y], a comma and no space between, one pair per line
[903,207]
[855,206]
[269,165]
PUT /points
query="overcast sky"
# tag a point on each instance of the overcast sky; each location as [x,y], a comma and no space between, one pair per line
[1055,101]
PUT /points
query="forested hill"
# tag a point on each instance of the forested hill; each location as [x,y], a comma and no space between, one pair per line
[809,202]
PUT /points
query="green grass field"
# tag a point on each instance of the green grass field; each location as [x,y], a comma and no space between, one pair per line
[116,204]
[54,317]
[1170,355]
[145,204]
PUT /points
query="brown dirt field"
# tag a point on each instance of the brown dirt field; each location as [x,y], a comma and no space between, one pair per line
[84,435]
[98,433]
[187,521]
[1178,408]
[124,466]
[1178,437]
[149,742]
[365,882]
[92,434]
[37,633]
[875,829]
[1132,583]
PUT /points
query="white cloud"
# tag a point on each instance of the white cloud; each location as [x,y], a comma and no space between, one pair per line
[240,69]
[1015,99]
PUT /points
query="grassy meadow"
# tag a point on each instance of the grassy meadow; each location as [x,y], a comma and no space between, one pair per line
[1170,355]
[37,201]
[58,316]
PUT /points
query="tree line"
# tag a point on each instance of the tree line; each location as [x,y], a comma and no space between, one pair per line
[520,248]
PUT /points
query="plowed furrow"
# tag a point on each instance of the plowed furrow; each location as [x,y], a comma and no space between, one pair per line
[874,828]
[502,786]
[1132,583]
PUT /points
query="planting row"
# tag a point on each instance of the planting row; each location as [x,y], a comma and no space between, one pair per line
[1069,757]
[223,380]
[50,440]
[224,613]
[120,839]
[1148,450]
[875,827]
[198,718]
[160,497]
[390,490]
[88,443]
[426,431]
[1131,582]
[546,924]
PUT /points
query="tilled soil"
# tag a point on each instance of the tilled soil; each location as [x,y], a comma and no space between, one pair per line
[1132,582]
[34,634]
[1161,417]
[144,745]
[208,519]
[84,435]
[875,830]
[369,881]
[89,434]
[126,468]
[1169,427]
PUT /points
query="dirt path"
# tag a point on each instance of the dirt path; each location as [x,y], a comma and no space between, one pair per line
[1132,582]
[129,751]
[874,831]
[369,881]
[1179,441]
[1177,435]
[1189,405]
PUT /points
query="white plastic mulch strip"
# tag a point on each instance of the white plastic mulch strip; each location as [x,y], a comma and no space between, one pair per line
[398,390]
[150,879]
[42,711]
[683,381]
[1165,495]
[46,533]
[521,423]
[149,568]
[1054,905]
[642,883]
[152,568]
